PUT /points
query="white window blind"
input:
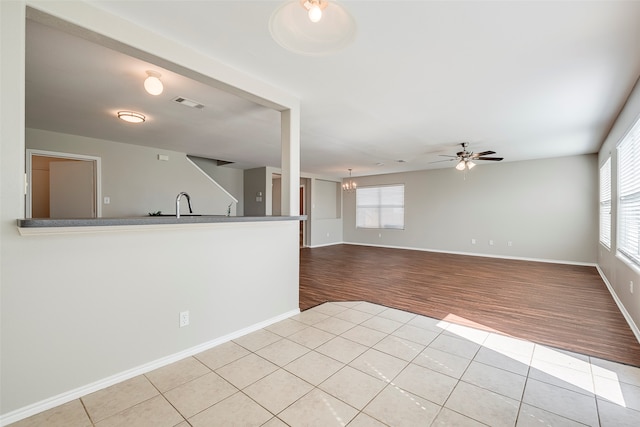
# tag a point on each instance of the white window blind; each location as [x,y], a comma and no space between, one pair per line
[380,207]
[605,203]
[629,194]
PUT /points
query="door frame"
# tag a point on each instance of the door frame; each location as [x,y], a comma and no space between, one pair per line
[303,211]
[97,174]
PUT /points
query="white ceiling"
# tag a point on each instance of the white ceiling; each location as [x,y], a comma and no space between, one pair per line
[528,80]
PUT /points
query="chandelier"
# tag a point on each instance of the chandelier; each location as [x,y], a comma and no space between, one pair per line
[349,186]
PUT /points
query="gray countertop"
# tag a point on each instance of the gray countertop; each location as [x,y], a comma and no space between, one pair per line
[148,220]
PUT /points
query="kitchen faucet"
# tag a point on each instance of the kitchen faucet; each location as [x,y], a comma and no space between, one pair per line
[178,203]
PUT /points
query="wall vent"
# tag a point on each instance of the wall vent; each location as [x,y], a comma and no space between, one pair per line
[188,102]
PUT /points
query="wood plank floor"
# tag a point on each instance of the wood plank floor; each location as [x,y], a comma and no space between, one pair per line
[563,306]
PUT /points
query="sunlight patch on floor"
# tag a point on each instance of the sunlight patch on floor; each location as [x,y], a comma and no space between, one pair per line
[555,363]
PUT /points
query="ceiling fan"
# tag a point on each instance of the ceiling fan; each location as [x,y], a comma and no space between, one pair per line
[465,158]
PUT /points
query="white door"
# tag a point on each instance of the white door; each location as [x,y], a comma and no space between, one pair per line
[72,189]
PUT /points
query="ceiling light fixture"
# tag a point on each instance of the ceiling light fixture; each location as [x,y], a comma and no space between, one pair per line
[465,164]
[312,27]
[131,116]
[350,185]
[315,8]
[153,84]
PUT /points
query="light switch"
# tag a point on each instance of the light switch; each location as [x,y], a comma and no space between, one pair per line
[107,200]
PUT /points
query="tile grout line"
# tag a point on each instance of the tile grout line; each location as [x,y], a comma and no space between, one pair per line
[388,382]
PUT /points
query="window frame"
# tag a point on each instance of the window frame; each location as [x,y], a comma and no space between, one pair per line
[628,197]
[380,210]
[604,231]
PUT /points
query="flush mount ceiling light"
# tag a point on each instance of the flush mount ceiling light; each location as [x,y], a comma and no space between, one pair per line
[153,84]
[350,185]
[131,116]
[312,27]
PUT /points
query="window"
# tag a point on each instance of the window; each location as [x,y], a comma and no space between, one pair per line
[380,207]
[629,194]
[605,203]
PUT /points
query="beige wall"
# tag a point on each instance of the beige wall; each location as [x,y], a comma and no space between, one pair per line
[617,270]
[276,195]
[328,203]
[255,182]
[135,180]
[40,183]
[323,199]
[545,208]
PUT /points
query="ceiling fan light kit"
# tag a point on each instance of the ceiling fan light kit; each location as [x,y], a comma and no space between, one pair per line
[466,158]
[465,164]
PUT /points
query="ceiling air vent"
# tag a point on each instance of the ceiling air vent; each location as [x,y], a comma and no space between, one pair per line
[188,102]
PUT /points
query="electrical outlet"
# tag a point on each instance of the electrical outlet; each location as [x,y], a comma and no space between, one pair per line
[490,242]
[107,200]
[509,243]
[473,241]
[379,235]
[184,318]
[631,286]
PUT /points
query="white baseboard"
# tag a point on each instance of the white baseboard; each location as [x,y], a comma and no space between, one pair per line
[325,244]
[79,392]
[551,261]
[621,307]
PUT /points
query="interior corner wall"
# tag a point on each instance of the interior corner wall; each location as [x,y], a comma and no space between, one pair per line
[546,209]
[134,179]
[229,178]
[325,215]
[619,272]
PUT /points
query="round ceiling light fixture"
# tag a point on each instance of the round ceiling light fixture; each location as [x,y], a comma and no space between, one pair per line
[314,8]
[131,116]
[153,84]
[312,27]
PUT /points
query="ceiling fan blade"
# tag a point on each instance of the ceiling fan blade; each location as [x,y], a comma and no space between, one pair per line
[497,159]
[440,161]
[445,155]
[484,153]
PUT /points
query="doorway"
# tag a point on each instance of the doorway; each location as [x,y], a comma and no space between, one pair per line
[62,185]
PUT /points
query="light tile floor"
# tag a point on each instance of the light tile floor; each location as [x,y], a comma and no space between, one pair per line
[360,364]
